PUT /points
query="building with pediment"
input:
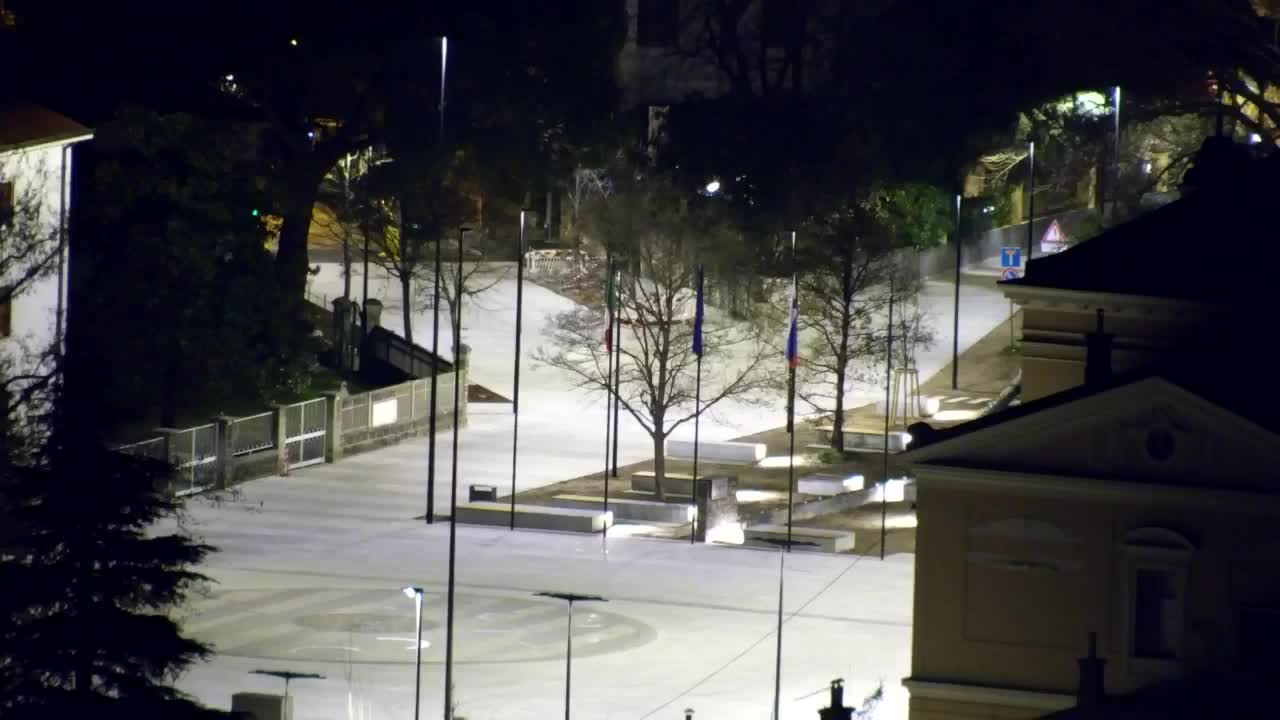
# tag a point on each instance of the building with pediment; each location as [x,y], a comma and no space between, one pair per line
[1133,498]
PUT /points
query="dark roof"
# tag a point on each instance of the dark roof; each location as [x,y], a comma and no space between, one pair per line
[1239,385]
[1213,244]
[1237,694]
[23,124]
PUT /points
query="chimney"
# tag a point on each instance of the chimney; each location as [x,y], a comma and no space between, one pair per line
[1091,691]
[1097,359]
[837,711]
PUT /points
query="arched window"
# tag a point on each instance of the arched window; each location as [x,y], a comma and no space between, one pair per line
[1155,587]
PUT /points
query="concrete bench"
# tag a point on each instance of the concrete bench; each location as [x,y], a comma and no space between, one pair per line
[856,440]
[648,511]
[731,452]
[826,540]
[533,517]
[672,483]
[928,407]
[830,483]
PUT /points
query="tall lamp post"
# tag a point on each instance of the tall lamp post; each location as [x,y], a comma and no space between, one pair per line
[784,546]
[435,313]
[453,492]
[515,394]
[1031,196]
[415,594]
[570,598]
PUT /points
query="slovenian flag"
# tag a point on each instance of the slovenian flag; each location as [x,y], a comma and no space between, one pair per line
[609,304]
[697,318]
[793,344]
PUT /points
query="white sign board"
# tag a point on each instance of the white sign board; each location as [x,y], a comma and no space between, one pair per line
[384,413]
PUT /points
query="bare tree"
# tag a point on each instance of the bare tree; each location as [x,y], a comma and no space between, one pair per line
[661,237]
[841,307]
[340,218]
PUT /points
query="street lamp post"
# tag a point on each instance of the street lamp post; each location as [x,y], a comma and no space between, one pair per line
[415,594]
[1031,196]
[570,598]
[784,547]
[515,394]
[453,492]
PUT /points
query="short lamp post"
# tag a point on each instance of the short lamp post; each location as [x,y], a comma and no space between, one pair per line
[570,598]
[415,594]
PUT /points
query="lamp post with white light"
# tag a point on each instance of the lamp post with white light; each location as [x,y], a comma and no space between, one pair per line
[570,598]
[415,594]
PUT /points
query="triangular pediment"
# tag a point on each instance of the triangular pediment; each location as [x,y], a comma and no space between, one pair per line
[1150,431]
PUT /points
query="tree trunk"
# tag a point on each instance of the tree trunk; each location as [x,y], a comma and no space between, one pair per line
[169,399]
[346,266]
[406,303]
[659,464]
[291,251]
[842,353]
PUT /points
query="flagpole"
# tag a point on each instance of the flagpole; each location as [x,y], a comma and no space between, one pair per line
[515,393]
[793,349]
[697,404]
[608,382]
[888,383]
[617,373]
[453,495]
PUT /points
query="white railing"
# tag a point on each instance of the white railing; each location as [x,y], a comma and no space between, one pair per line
[252,434]
[552,262]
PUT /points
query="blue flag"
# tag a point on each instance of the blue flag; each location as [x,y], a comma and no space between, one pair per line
[697,319]
[793,329]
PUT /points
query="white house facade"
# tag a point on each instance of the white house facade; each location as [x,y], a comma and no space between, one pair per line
[35,202]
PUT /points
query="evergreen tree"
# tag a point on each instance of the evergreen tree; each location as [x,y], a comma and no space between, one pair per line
[88,584]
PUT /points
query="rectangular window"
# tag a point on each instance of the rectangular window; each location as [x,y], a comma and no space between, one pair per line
[6,203]
[1156,616]
[657,23]
[6,312]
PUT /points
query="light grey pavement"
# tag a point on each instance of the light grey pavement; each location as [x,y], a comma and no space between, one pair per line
[310,568]
[309,578]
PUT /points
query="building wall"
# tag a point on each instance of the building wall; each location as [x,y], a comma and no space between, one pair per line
[1008,589]
[1053,340]
[38,180]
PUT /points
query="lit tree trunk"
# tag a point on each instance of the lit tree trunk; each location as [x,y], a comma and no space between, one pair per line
[291,249]
[659,463]
[406,302]
[842,353]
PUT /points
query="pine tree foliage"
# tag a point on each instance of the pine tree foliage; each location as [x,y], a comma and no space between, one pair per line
[88,585]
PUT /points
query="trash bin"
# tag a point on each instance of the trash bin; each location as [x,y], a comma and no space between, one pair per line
[482,493]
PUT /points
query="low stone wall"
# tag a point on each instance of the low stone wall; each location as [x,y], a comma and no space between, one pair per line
[252,466]
[367,439]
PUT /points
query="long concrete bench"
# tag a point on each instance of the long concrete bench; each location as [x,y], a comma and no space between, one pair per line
[533,517]
[730,452]
[825,540]
[672,483]
[628,508]
[830,483]
[859,440]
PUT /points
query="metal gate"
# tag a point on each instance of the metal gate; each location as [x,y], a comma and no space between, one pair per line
[305,427]
[194,454]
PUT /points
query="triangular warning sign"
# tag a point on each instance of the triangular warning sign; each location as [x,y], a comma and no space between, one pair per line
[1053,240]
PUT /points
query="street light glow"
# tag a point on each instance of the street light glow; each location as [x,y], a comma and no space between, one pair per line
[412,592]
[1254,138]
[713,187]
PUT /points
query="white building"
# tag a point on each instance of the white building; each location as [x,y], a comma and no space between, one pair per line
[35,202]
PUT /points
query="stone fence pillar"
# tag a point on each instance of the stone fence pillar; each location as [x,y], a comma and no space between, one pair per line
[333,424]
[461,373]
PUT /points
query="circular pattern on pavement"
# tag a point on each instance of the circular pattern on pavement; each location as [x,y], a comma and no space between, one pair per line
[377,626]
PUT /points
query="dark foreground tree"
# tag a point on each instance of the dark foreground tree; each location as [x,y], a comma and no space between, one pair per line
[88,585]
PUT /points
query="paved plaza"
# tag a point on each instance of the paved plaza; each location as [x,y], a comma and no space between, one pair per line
[310,568]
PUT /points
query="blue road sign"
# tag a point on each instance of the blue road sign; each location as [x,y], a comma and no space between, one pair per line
[1010,257]
[1009,274]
